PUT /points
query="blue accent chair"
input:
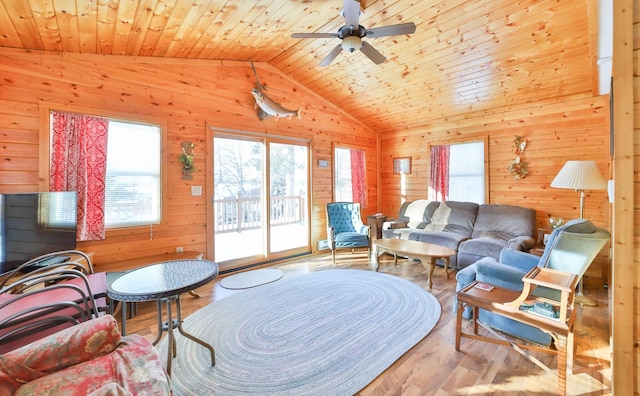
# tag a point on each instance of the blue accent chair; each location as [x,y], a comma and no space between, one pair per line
[345,228]
[570,248]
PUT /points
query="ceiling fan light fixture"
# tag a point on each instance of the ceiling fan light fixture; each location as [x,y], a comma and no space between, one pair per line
[351,43]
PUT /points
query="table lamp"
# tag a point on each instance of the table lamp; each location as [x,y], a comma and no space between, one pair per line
[580,176]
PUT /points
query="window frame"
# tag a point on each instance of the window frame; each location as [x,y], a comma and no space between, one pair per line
[484,138]
[44,130]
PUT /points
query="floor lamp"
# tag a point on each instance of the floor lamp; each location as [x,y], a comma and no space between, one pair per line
[580,176]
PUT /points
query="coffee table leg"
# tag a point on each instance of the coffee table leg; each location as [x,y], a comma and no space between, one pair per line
[446,266]
[430,264]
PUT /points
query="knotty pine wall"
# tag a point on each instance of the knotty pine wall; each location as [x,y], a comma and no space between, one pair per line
[190,96]
[570,128]
[194,94]
[627,33]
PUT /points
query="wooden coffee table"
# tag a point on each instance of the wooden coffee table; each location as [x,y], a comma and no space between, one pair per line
[427,253]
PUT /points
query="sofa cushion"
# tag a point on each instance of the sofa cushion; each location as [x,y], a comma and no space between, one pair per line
[88,359]
[474,249]
[414,212]
[351,239]
[456,217]
[442,238]
[134,368]
[75,345]
[503,222]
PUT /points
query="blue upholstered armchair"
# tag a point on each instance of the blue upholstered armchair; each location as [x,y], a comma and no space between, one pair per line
[345,228]
[570,248]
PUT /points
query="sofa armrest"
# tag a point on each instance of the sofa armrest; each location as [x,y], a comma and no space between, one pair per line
[331,234]
[393,224]
[523,243]
[365,230]
[65,348]
[515,258]
[490,271]
[465,276]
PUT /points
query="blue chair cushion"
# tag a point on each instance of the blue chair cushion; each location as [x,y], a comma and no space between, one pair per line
[351,239]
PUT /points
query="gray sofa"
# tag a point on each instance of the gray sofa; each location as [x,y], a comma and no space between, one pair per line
[474,231]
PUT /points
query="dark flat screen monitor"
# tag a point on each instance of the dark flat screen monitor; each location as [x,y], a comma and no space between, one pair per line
[33,224]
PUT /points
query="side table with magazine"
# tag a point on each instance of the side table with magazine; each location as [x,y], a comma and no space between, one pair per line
[556,317]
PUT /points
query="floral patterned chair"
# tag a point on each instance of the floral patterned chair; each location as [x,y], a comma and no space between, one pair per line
[91,358]
[345,228]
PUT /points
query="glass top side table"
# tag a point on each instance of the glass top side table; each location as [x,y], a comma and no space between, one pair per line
[164,282]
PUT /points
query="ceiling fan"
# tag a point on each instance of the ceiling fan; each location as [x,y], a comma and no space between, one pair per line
[352,34]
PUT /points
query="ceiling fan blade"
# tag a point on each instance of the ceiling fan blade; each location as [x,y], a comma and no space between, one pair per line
[352,13]
[402,28]
[332,55]
[372,53]
[314,35]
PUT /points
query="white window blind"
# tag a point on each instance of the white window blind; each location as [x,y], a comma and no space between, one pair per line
[133,188]
[466,172]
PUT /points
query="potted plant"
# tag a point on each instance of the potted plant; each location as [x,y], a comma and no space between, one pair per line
[186,158]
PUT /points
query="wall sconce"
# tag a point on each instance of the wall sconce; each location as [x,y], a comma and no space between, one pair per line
[186,159]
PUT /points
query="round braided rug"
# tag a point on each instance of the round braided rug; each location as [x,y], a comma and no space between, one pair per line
[329,332]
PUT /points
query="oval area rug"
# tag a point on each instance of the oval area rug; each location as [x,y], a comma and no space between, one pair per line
[246,280]
[330,332]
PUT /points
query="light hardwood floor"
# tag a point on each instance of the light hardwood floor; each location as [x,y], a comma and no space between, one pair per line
[433,367]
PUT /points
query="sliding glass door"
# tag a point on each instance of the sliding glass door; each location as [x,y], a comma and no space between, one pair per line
[289,225]
[238,199]
[261,207]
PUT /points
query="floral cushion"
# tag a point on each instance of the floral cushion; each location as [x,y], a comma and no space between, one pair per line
[88,359]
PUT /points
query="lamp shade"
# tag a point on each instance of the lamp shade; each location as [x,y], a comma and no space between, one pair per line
[580,175]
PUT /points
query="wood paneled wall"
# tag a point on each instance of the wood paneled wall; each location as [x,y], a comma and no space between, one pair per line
[625,312]
[571,128]
[193,94]
[189,95]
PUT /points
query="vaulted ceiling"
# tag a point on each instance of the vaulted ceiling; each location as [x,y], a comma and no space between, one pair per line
[466,56]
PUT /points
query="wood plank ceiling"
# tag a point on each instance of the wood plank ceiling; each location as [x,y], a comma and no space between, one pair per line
[466,56]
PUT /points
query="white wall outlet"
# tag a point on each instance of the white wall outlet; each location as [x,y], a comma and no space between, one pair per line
[196,191]
[179,249]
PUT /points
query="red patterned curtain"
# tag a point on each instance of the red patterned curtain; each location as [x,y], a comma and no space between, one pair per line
[79,163]
[439,181]
[357,176]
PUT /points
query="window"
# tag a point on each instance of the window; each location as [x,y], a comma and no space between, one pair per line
[466,172]
[133,192]
[131,175]
[458,172]
[349,175]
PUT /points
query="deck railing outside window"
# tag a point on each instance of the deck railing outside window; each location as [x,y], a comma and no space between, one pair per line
[239,214]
